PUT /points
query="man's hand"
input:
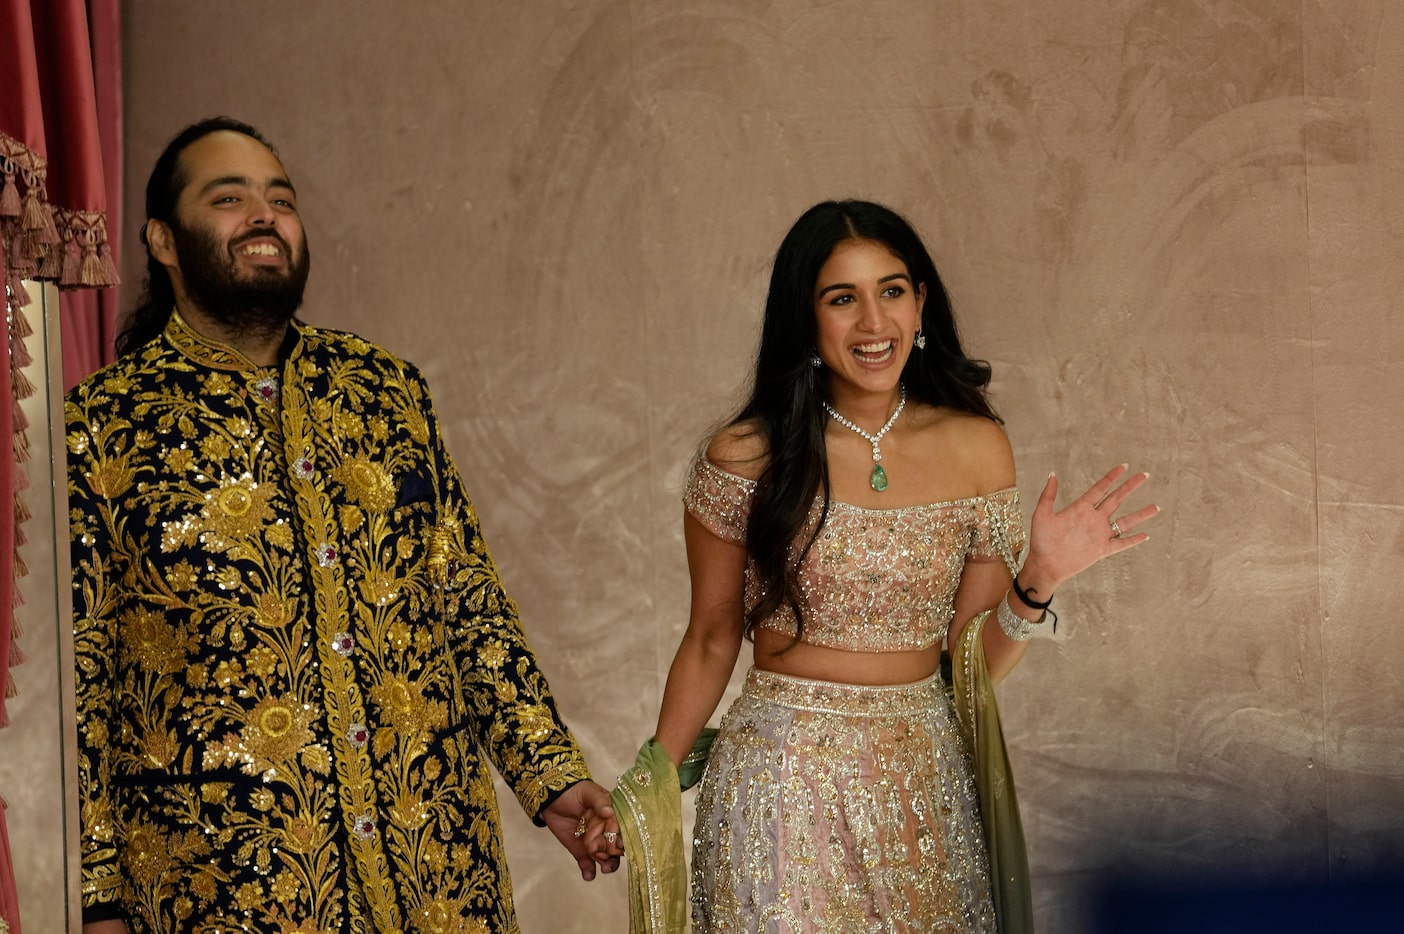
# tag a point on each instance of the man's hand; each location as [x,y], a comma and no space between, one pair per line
[582,818]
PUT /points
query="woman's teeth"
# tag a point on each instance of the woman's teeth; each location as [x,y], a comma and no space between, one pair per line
[875,352]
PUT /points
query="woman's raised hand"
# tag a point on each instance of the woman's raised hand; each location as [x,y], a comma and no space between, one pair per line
[1068,541]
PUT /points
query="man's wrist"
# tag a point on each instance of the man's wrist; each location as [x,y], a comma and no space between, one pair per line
[539,819]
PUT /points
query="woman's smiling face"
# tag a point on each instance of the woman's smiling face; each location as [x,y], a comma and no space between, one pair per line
[867,312]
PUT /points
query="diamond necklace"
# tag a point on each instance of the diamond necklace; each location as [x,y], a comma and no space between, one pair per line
[878,479]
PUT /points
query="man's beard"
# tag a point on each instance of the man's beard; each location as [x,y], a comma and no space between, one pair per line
[260,301]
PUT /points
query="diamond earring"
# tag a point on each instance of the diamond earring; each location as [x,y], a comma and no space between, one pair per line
[814,360]
[920,341]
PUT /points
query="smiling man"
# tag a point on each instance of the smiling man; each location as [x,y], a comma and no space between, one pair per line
[233,246]
[295,655]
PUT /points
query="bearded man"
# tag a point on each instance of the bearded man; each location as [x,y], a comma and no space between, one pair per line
[295,655]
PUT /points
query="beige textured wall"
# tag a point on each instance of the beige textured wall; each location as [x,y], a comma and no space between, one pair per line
[32,765]
[1172,226]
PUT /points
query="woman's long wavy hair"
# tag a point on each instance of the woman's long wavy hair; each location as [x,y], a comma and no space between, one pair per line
[787,389]
[147,320]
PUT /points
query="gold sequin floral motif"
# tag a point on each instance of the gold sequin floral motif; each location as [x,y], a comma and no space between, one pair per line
[367,484]
[238,509]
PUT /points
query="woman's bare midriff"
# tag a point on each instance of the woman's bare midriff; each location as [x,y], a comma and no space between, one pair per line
[819,663]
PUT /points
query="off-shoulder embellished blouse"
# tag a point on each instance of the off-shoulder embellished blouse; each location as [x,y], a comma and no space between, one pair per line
[875,580]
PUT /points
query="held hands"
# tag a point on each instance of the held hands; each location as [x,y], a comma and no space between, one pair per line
[583,820]
[1067,542]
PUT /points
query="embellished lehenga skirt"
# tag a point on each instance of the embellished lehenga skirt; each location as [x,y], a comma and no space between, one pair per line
[839,809]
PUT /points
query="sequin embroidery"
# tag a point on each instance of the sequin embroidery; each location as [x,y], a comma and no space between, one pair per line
[876,580]
[837,808]
[287,702]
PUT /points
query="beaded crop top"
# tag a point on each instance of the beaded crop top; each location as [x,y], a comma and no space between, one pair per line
[875,580]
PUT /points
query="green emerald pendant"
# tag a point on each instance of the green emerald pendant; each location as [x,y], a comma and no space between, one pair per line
[878,480]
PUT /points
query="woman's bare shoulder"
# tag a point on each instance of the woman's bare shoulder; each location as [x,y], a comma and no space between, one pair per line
[977,446]
[740,449]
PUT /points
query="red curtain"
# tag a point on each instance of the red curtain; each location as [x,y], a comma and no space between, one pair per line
[89,315]
[54,222]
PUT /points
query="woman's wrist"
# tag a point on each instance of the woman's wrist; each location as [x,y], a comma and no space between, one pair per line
[1019,624]
[1015,625]
[1027,598]
[1033,586]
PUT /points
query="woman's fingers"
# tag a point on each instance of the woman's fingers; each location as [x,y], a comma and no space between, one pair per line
[1048,497]
[1128,522]
[603,842]
[1122,535]
[1116,496]
[1104,495]
[1098,492]
[1065,542]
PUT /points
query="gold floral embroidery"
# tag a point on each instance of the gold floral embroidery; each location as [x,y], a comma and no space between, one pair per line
[444,917]
[182,575]
[147,856]
[117,385]
[229,746]
[152,641]
[112,477]
[417,427]
[493,655]
[214,448]
[273,611]
[276,731]
[280,535]
[352,519]
[238,509]
[402,703]
[367,484]
[534,722]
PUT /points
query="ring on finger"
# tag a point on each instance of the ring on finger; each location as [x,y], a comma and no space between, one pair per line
[1116,529]
[580,828]
[610,836]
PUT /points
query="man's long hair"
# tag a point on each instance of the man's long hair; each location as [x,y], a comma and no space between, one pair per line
[148,319]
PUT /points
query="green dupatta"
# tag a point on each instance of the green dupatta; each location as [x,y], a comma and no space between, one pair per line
[648,804]
[977,715]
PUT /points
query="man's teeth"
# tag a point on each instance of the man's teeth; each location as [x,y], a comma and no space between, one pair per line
[261,249]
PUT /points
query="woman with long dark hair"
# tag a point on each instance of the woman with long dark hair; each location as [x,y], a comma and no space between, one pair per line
[858,514]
